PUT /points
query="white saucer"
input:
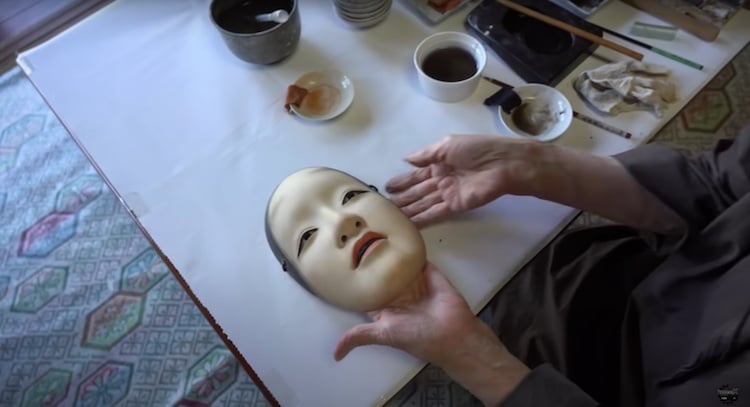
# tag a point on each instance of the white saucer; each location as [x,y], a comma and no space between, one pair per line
[330,93]
[560,111]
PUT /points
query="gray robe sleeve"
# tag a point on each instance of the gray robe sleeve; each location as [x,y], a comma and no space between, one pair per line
[697,187]
[544,387]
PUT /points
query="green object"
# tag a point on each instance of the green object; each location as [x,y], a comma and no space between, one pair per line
[677,58]
[658,32]
[659,51]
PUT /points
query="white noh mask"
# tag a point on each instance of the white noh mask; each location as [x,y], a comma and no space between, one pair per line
[342,240]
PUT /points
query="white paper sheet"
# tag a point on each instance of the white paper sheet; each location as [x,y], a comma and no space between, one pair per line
[194,140]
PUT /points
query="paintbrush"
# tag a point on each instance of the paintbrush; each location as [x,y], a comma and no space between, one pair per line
[652,48]
[580,116]
[571,29]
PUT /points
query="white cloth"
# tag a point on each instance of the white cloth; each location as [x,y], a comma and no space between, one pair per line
[627,86]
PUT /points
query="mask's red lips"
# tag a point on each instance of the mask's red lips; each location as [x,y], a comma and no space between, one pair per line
[362,244]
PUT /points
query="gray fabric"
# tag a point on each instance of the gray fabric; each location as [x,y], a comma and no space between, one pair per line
[695,306]
[634,321]
[545,387]
[568,306]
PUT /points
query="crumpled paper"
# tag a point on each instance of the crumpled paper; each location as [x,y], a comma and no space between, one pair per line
[627,86]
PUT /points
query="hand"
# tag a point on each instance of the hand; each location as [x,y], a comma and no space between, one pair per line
[460,173]
[433,322]
[430,318]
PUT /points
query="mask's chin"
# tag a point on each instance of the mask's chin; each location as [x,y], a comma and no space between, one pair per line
[384,288]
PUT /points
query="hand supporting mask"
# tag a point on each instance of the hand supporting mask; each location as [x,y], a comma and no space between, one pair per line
[342,240]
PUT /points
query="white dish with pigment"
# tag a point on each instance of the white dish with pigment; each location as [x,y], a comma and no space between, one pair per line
[330,93]
[544,115]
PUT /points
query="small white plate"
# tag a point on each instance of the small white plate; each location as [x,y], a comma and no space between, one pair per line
[330,93]
[543,98]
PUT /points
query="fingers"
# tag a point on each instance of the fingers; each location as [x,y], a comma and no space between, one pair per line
[422,204]
[434,213]
[431,154]
[404,181]
[360,335]
[415,192]
[442,287]
[436,279]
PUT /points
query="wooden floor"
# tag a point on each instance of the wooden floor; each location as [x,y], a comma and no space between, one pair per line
[25,23]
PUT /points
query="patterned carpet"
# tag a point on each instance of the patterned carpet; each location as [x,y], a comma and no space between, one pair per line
[89,315]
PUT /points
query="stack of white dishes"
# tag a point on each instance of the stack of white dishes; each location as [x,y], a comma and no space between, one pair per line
[362,13]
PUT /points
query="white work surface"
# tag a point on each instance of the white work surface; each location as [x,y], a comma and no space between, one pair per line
[194,140]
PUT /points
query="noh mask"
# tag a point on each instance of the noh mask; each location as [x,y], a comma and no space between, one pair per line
[341,240]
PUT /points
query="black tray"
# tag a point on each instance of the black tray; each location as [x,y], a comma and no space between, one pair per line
[536,51]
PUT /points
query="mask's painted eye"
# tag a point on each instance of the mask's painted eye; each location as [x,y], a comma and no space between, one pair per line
[351,194]
[304,238]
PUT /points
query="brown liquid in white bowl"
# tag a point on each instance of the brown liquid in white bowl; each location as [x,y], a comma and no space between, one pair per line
[320,100]
[451,64]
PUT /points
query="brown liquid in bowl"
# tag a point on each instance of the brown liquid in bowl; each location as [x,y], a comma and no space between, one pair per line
[451,64]
[320,100]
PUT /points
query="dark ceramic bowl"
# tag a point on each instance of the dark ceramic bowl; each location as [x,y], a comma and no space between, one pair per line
[252,41]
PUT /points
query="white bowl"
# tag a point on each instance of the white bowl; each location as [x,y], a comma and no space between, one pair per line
[330,93]
[548,103]
[443,91]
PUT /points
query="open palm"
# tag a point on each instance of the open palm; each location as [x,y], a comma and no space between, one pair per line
[457,174]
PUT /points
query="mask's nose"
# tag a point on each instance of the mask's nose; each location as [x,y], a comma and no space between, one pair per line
[349,227]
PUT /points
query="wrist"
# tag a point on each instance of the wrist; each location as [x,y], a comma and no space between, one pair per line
[484,367]
[533,168]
